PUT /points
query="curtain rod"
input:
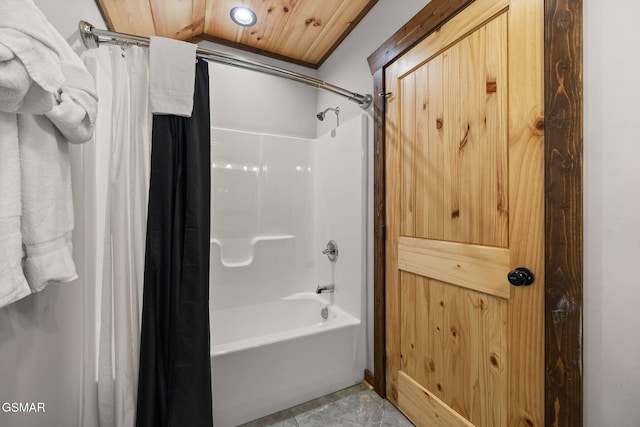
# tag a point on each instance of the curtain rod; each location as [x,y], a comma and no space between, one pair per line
[92,38]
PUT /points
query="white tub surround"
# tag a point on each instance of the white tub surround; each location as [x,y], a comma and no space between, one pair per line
[276,202]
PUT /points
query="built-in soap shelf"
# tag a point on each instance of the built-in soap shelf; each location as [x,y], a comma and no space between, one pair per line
[239,252]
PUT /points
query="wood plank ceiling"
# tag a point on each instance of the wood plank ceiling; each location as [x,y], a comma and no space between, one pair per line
[304,32]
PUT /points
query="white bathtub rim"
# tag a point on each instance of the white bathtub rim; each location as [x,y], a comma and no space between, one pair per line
[338,319]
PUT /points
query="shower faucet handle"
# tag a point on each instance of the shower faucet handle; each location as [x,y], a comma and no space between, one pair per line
[331,251]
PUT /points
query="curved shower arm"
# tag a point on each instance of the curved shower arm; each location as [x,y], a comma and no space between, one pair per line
[92,38]
[321,114]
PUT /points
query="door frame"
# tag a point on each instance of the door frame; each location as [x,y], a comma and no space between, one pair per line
[563,106]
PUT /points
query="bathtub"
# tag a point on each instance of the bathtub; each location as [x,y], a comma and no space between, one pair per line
[271,356]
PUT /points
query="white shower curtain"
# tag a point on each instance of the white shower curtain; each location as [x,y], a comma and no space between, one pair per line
[125,233]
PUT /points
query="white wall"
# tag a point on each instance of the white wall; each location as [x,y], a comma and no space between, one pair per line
[40,354]
[612,214]
[255,102]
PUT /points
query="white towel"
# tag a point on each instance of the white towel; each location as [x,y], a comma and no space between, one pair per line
[14,82]
[47,204]
[76,112]
[29,44]
[13,285]
[19,93]
[25,30]
[55,97]
[172,66]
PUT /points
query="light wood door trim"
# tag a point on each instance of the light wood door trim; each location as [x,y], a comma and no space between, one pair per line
[563,195]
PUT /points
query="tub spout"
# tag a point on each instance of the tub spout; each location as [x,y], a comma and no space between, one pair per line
[323,289]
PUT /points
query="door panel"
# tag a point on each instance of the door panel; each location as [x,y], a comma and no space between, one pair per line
[464,167]
[453,372]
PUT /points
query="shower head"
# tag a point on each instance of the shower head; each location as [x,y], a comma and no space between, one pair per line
[321,114]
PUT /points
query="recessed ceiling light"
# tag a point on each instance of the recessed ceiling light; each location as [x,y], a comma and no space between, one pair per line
[243,16]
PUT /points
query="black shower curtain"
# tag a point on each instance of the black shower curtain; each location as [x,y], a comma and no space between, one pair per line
[174,387]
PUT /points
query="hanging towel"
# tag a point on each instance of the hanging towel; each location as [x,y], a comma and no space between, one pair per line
[13,285]
[172,66]
[47,205]
[75,113]
[47,202]
[26,32]
[41,74]
[18,91]
[50,100]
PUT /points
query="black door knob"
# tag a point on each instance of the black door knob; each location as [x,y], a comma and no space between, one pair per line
[521,276]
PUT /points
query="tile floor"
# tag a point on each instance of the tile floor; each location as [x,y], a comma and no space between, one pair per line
[355,406]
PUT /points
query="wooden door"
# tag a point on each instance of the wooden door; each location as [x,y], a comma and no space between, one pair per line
[464,184]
